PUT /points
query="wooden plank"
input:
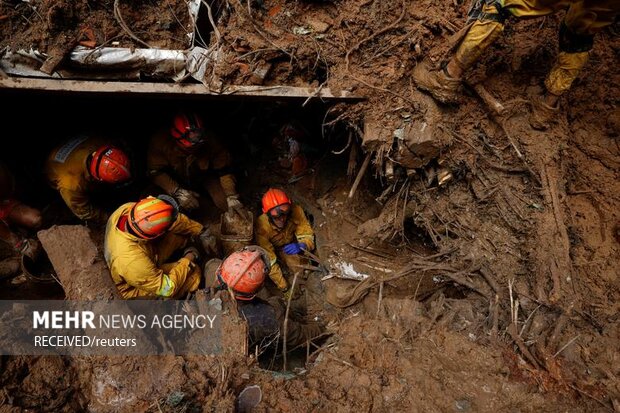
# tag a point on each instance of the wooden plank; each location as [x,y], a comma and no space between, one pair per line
[180,89]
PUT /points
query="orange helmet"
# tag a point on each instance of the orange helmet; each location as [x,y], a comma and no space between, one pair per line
[151,217]
[244,271]
[110,165]
[274,198]
[188,131]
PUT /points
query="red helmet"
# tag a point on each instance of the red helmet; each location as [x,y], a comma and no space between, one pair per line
[244,271]
[110,165]
[151,217]
[276,198]
[188,131]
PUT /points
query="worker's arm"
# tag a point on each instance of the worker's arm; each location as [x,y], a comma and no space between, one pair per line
[262,239]
[79,203]
[297,332]
[157,164]
[303,232]
[186,226]
[221,161]
[143,274]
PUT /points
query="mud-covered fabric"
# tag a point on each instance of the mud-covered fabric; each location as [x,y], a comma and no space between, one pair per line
[139,268]
[272,239]
[263,326]
[572,42]
[487,10]
[67,172]
[583,17]
[266,324]
[170,167]
[582,20]
[565,70]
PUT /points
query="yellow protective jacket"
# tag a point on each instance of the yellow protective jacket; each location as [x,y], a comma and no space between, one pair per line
[135,264]
[67,172]
[170,167]
[272,239]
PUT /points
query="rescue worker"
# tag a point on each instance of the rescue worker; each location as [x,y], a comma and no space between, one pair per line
[140,239]
[583,19]
[187,158]
[79,168]
[291,142]
[13,213]
[284,232]
[243,273]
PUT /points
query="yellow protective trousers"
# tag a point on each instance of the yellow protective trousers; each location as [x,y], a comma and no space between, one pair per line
[583,19]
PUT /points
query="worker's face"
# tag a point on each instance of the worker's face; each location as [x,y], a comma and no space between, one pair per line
[279,215]
[192,140]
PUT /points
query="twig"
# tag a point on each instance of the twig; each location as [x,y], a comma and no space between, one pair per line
[380,298]
[372,36]
[486,274]
[590,396]
[566,345]
[360,174]
[489,100]
[218,36]
[350,138]
[119,18]
[465,283]
[316,93]
[528,319]
[260,33]
[285,327]
[512,330]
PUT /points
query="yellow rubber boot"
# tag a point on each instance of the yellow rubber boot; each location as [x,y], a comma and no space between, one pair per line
[565,70]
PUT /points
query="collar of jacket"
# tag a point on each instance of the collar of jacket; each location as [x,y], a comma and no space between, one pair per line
[126,234]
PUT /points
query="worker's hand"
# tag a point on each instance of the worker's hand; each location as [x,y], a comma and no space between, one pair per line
[191,253]
[208,242]
[294,248]
[233,203]
[187,199]
[287,294]
[29,247]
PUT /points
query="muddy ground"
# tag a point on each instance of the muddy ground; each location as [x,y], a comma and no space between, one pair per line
[498,291]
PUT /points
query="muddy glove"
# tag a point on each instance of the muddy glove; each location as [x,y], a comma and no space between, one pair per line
[187,199]
[193,251]
[294,248]
[29,247]
[233,203]
[208,242]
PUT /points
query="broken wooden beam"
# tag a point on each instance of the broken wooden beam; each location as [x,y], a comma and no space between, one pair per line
[167,89]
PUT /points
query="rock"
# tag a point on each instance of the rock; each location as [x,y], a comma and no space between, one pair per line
[81,270]
[318,26]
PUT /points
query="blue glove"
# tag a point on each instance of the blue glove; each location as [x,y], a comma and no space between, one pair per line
[294,248]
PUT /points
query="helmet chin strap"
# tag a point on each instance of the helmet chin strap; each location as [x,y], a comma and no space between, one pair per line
[89,160]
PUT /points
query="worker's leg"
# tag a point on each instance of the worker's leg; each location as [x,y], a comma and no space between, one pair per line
[216,192]
[488,18]
[167,245]
[576,39]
